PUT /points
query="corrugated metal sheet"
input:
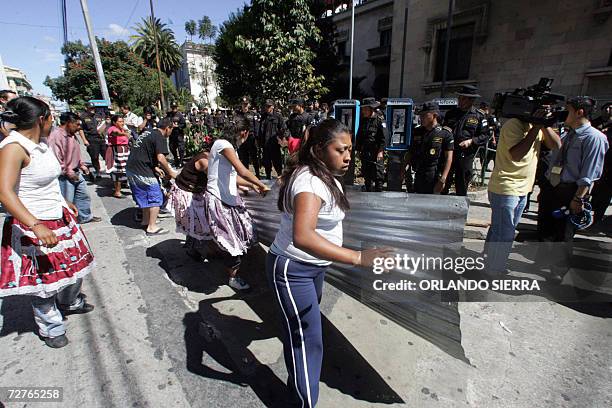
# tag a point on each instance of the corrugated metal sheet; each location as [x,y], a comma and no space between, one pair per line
[411,223]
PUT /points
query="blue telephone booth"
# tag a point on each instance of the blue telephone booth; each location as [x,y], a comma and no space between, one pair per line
[399,123]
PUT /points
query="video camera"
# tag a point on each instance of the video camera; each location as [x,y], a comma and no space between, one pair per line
[523,103]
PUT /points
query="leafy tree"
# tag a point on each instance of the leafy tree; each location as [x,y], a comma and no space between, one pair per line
[190,29]
[143,43]
[128,78]
[275,40]
[235,71]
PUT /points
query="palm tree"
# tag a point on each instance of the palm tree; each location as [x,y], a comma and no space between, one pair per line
[206,31]
[143,44]
[190,29]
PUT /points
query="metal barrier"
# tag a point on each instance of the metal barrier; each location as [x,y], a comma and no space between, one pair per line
[411,223]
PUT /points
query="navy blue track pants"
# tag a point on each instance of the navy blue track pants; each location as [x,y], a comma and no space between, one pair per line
[297,289]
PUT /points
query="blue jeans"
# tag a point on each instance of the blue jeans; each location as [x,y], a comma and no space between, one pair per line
[76,192]
[506,211]
[47,311]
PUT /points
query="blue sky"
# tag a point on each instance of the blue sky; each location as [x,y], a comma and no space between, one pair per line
[32,34]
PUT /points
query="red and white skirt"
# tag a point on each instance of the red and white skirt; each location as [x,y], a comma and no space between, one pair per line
[30,269]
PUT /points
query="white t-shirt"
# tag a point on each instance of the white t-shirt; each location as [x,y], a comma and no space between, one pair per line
[329,222]
[38,186]
[221,174]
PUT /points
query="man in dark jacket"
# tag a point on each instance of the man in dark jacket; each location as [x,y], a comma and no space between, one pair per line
[371,145]
[271,129]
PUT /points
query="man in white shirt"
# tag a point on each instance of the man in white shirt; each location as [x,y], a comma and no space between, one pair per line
[132,121]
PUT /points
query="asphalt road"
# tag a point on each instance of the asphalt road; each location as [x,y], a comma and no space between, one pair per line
[142,347]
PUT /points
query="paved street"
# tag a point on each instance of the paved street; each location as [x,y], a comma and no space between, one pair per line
[141,346]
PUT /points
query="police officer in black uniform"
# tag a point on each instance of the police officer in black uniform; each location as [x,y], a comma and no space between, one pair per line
[177,137]
[371,145]
[96,146]
[271,129]
[470,130]
[431,151]
[247,152]
[299,119]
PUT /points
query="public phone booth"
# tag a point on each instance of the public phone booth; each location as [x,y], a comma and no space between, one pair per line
[399,123]
[348,112]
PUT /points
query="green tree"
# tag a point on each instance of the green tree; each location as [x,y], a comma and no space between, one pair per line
[190,29]
[206,29]
[234,70]
[143,43]
[281,41]
[128,78]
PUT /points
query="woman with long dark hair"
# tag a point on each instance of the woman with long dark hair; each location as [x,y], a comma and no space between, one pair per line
[44,252]
[313,205]
[118,141]
[227,218]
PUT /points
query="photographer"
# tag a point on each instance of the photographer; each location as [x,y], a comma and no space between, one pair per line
[573,170]
[512,180]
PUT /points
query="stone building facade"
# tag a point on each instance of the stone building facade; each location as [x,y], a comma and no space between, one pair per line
[502,45]
[373,39]
[197,74]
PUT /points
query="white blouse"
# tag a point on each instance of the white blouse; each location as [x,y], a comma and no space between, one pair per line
[38,186]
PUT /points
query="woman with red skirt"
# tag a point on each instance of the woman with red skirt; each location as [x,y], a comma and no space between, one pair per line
[44,251]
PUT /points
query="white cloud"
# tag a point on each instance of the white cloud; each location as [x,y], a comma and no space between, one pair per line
[47,55]
[49,39]
[116,30]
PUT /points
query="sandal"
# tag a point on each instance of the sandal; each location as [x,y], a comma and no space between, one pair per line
[160,231]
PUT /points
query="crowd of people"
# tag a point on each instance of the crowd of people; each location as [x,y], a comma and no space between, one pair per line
[44,192]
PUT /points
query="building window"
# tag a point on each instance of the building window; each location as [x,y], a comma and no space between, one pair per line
[342,48]
[385,38]
[610,59]
[459,52]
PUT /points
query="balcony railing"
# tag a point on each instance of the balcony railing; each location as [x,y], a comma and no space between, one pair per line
[379,54]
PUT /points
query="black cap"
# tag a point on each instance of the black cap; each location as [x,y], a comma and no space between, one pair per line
[297,101]
[269,102]
[469,91]
[245,99]
[174,105]
[370,103]
[429,107]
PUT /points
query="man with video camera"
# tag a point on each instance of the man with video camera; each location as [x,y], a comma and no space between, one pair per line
[512,180]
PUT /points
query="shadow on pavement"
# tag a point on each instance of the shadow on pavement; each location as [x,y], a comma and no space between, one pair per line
[226,337]
[17,315]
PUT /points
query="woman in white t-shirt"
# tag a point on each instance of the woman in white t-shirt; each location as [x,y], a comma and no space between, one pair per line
[229,222]
[313,204]
[44,251]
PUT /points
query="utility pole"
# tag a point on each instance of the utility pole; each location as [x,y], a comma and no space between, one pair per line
[159,73]
[94,50]
[352,47]
[449,26]
[401,90]
[64,22]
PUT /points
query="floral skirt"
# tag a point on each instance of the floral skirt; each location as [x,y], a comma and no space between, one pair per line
[231,227]
[189,213]
[30,269]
